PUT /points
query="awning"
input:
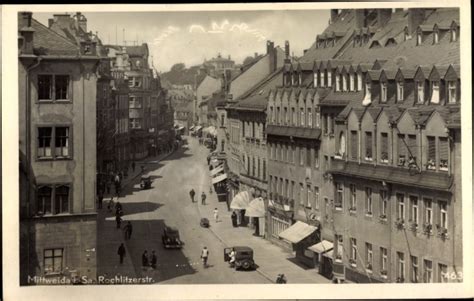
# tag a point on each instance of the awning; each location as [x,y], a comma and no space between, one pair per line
[180,128]
[256,208]
[219,178]
[329,254]
[241,200]
[197,128]
[217,170]
[297,232]
[322,246]
[210,130]
[191,128]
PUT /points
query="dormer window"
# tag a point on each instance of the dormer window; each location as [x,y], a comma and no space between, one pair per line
[419,38]
[420,87]
[338,83]
[315,79]
[452,92]
[359,82]
[344,83]
[351,84]
[454,35]
[329,79]
[435,37]
[326,78]
[383,92]
[293,80]
[300,79]
[400,91]
[87,49]
[368,96]
[435,92]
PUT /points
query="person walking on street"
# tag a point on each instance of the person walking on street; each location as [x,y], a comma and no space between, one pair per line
[118,208]
[128,230]
[216,215]
[145,259]
[121,252]
[192,193]
[203,198]
[153,260]
[233,217]
[118,220]
[204,256]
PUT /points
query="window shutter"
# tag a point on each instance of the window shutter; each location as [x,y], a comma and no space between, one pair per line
[443,148]
[432,148]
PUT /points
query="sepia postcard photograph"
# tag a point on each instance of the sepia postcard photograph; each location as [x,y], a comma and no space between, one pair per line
[215,151]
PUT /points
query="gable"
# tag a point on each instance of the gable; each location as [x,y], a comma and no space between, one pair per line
[405,123]
[436,124]
[451,74]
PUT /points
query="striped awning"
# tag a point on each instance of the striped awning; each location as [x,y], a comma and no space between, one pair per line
[219,178]
[256,208]
[241,200]
[217,170]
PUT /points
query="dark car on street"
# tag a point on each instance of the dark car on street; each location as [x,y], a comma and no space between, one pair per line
[243,257]
[171,238]
[204,222]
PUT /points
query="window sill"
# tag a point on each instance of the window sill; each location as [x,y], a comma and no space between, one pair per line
[369,271]
[443,169]
[353,265]
[368,159]
[383,276]
[49,215]
[338,208]
[53,159]
[369,215]
[384,161]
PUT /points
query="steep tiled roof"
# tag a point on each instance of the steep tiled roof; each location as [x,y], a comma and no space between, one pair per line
[341,98]
[296,132]
[48,42]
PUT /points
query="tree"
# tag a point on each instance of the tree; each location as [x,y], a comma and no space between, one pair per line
[179,67]
[247,60]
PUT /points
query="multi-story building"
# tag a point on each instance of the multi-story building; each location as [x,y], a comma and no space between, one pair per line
[204,90]
[57,105]
[388,110]
[217,66]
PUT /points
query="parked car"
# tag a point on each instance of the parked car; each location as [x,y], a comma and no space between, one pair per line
[171,238]
[243,257]
[204,222]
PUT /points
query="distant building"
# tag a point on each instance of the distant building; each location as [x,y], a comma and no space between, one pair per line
[217,66]
[57,105]
[204,91]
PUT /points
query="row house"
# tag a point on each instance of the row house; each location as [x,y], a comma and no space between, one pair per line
[57,105]
[395,175]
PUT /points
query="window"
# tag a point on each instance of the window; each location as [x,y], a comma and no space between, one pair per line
[326,206]
[414,210]
[302,195]
[402,156]
[272,117]
[435,37]
[326,163]
[443,273]
[384,203]
[368,201]
[316,198]
[302,155]
[286,189]
[383,92]
[292,190]
[353,258]
[286,117]
[323,78]
[383,260]
[384,147]
[368,146]
[428,211]
[44,200]
[454,35]
[264,170]
[302,121]
[369,256]
[443,153]
[353,191]
[316,157]
[338,82]
[443,211]
[61,203]
[293,151]
[414,269]
[329,78]
[428,272]
[294,117]
[400,267]
[53,260]
[431,164]
[308,196]
[318,121]
[413,149]
[333,124]
[401,207]
[61,146]
[420,91]
[339,247]
[278,115]
[368,96]
[452,92]
[253,167]
[400,96]
[44,142]
[419,38]
[435,92]
[315,81]
[359,81]
[339,196]
[310,118]
[351,83]
[135,123]
[354,145]
[53,87]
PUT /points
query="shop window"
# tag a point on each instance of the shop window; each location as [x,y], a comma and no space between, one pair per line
[53,261]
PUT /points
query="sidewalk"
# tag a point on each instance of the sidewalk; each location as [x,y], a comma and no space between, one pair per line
[271,259]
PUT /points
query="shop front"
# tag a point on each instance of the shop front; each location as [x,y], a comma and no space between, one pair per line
[256,212]
[323,252]
[301,235]
[239,204]
[220,186]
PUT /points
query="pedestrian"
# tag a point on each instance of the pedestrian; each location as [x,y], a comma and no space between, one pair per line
[128,230]
[145,259]
[204,256]
[133,166]
[121,252]
[216,215]
[118,208]
[153,260]
[203,198]
[232,258]
[192,193]
[118,220]
[233,217]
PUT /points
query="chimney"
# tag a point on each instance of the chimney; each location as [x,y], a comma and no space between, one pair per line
[271,52]
[255,54]
[26,32]
[62,20]
[334,14]
[287,52]
[50,22]
[81,21]
[360,20]
[416,16]
[383,16]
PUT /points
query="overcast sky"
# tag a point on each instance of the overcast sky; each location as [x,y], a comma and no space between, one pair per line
[191,37]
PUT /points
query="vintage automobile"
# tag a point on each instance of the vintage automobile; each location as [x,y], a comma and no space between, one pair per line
[204,222]
[145,182]
[243,257]
[171,239]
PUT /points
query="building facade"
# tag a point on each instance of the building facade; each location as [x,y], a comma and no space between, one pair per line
[57,93]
